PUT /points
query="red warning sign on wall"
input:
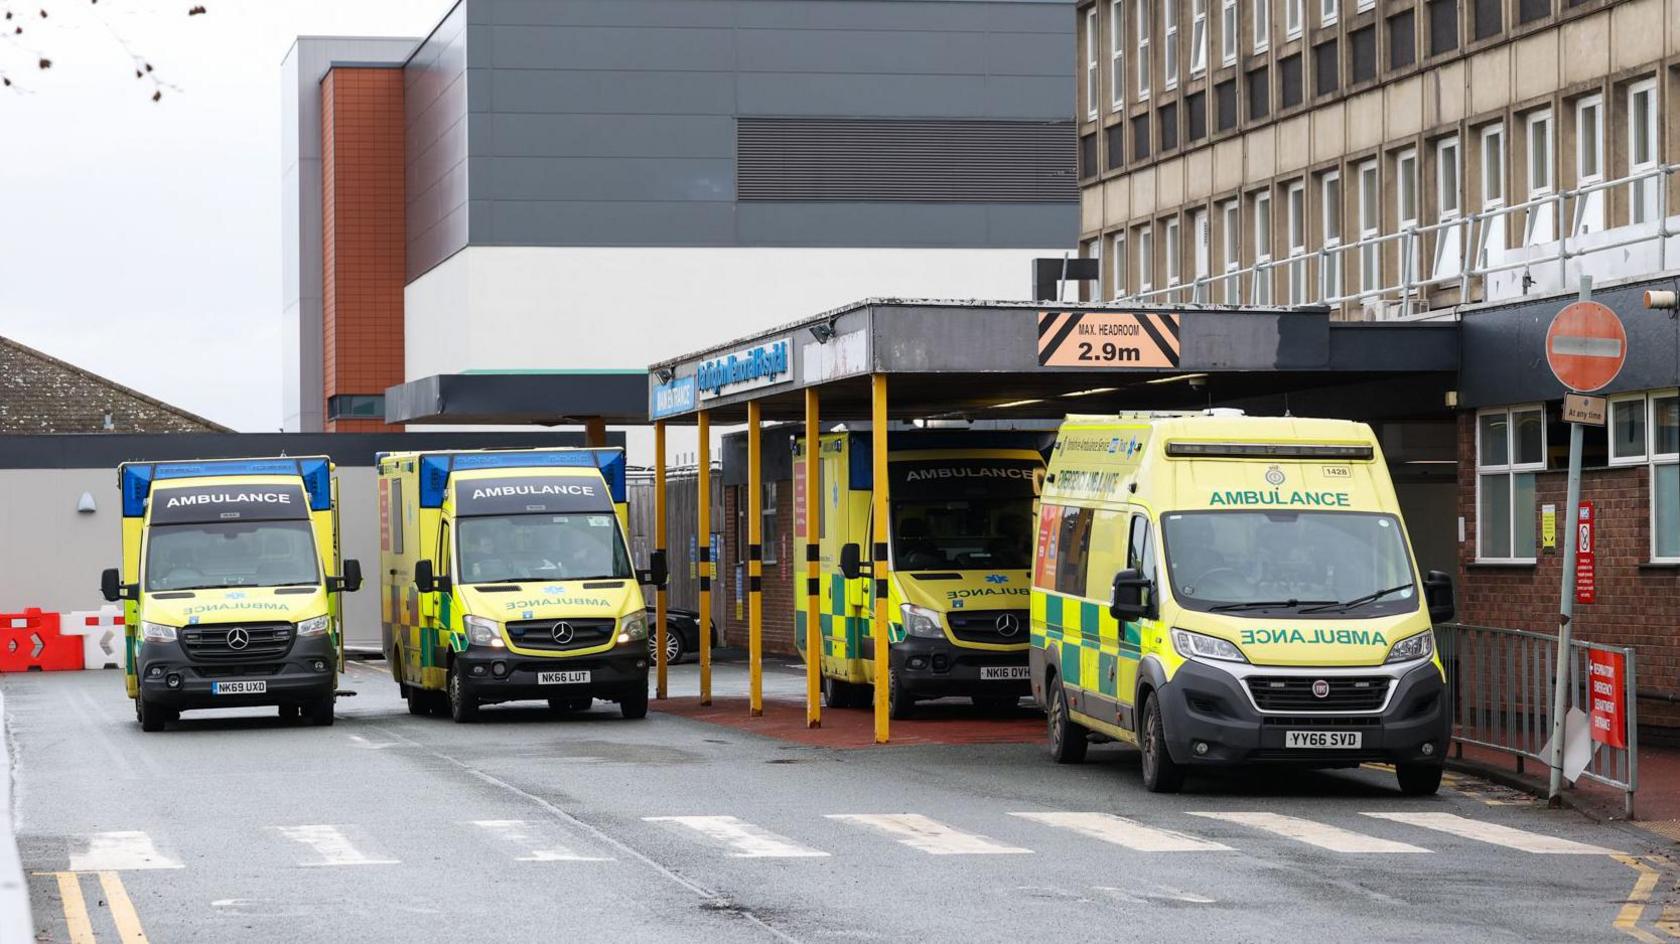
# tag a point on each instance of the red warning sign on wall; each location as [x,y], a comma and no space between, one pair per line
[1586,572]
[1606,681]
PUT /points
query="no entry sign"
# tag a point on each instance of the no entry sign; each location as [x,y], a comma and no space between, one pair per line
[1586,346]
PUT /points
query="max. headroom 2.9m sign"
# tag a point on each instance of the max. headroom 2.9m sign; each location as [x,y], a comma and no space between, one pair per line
[762,366]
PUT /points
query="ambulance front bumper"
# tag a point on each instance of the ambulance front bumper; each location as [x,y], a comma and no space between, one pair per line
[1212,717]
[169,677]
[496,675]
[934,668]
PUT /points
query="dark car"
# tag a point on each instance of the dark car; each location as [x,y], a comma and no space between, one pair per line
[682,634]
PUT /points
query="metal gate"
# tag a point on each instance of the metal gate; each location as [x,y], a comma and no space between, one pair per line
[682,516]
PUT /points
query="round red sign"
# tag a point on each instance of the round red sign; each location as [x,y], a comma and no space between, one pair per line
[1586,346]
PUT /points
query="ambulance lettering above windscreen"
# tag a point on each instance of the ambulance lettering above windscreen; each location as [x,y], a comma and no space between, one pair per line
[530,494]
[936,478]
[197,504]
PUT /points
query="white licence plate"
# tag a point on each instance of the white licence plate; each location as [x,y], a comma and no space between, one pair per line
[238,688]
[580,677]
[1323,739]
[991,672]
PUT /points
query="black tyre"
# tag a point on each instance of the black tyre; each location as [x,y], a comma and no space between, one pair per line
[899,705]
[1161,774]
[838,694]
[419,700]
[1068,741]
[634,704]
[1418,779]
[152,716]
[319,713]
[463,708]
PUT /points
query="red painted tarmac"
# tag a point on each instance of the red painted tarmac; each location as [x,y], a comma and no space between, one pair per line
[848,728]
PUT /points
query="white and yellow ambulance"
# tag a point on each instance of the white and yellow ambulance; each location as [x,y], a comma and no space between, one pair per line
[1220,589]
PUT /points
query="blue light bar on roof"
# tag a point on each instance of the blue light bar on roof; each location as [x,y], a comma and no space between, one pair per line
[435,468]
[136,480]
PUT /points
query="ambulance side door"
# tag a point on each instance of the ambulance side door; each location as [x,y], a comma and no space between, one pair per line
[1140,556]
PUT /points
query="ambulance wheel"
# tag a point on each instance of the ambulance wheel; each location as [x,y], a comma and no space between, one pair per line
[419,700]
[899,705]
[289,713]
[838,694]
[463,708]
[1160,773]
[152,716]
[320,712]
[1418,779]
[1067,739]
[634,704]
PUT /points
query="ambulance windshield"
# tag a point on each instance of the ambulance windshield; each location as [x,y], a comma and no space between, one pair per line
[231,554]
[963,533]
[504,548]
[1311,563]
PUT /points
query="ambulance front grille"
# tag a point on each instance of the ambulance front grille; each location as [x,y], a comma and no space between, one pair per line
[995,627]
[546,635]
[236,642]
[1295,692]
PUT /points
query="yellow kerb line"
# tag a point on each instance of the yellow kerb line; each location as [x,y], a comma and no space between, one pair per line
[1627,917]
[75,908]
[122,910]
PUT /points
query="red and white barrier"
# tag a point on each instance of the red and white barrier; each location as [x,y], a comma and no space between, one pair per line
[102,636]
[32,641]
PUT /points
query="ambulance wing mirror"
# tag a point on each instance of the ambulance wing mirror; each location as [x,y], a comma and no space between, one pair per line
[658,571]
[1438,596]
[113,589]
[423,580]
[851,562]
[350,581]
[1134,597]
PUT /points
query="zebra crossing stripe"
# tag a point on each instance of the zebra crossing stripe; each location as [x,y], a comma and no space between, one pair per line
[1313,833]
[928,835]
[1493,833]
[528,836]
[744,840]
[1125,832]
[331,844]
[122,851]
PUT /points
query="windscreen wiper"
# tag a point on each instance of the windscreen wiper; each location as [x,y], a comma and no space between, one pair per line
[1361,601]
[1267,605]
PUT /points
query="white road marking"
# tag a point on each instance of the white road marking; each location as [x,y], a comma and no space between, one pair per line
[1313,833]
[1494,833]
[1160,893]
[1124,832]
[360,741]
[330,844]
[745,840]
[930,836]
[123,851]
[529,836]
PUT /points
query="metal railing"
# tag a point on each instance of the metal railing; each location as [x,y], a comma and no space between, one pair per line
[1500,685]
[1464,252]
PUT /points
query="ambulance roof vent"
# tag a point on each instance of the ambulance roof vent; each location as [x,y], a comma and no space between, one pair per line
[1223,411]
[1262,450]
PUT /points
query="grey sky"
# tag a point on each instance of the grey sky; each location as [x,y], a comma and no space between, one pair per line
[142,240]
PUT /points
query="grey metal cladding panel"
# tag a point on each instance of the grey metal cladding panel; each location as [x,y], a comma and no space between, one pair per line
[1027,54]
[435,136]
[607,12]
[430,246]
[603,223]
[532,135]
[952,225]
[608,47]
[900,15]
[606,92]
[604,178]
[906,96]
[913,338]
[943,52]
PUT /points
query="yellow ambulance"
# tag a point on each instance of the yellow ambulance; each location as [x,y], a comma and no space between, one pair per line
[507,576]
[960,545]
[1220,589]
[229,581]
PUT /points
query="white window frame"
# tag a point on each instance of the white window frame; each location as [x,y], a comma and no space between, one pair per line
[1169,44]
[1201,252]
[1228,32]
[1198,37]
[1449,240]
[1146,259]
[1494,179]
[1262,25]
[1093,250]
[1231,248]
[1510,469]
[1364,5]
[1589,139]
[1294,12]
[1408,210]
[1644,205]
[1295,236]
[1171,252]
[1540,227]
[1117,253]
[1643,456]
[1657,460]
[1091,64]
[1330,223]
[1117,53]
[1370,227]
[1262,247]
[1145,30]
[1327,12]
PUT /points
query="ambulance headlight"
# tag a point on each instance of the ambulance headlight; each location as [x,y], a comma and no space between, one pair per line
[156,632]
[1197,646]
[314,626]
[632,628]
[483,632]
[920,621]
[1421,646]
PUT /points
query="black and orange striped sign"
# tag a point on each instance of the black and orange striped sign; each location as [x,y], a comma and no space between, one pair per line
[1107,339]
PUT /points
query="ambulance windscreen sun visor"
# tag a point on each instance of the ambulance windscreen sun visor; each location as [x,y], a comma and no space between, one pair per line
[531,494]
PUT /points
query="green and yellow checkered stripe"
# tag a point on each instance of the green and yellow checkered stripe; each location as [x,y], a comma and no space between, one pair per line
[1095,651]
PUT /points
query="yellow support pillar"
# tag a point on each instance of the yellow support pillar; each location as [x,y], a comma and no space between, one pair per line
[880,568]
[659,541]
[704,461]
[813,577]
[755,558]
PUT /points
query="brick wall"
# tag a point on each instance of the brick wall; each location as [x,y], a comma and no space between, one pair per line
[778,577]
[362,214]
[1638,605]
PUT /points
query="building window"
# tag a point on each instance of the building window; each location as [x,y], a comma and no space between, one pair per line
[1326,12]
[1262,248]
[1642,148]
[1195,117]
[1140,137]
[1493,190]
[1627,430]
[1225,105]
[770,523]
[1169,44]
[1091,63]
[1539,226]
[1087,156]
[1198,37]
[1362,55]
[1326,69]
[1370,216]
[1200,252]
[1589,164]
[1530,10]
[1510,449]
[1645,430]
[1289,76]
[1091,291]
[1143,28]
[1228,32]
[1115,146]
[1330,209]
[1117,53]
[1449,245]
[1169,126]
[1170,250]
[1295,226]
[1117,256]
[1443,26]
[1402,39]
[1262,25]
[1489,18]
[1292,17]
[357,406]
[1145,259]
[1231,238]
[1406,210]
[1364,5]
[1259,94]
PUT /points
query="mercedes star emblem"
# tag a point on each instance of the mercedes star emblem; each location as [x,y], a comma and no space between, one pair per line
[1008,625]
[238,638]
[562,632]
